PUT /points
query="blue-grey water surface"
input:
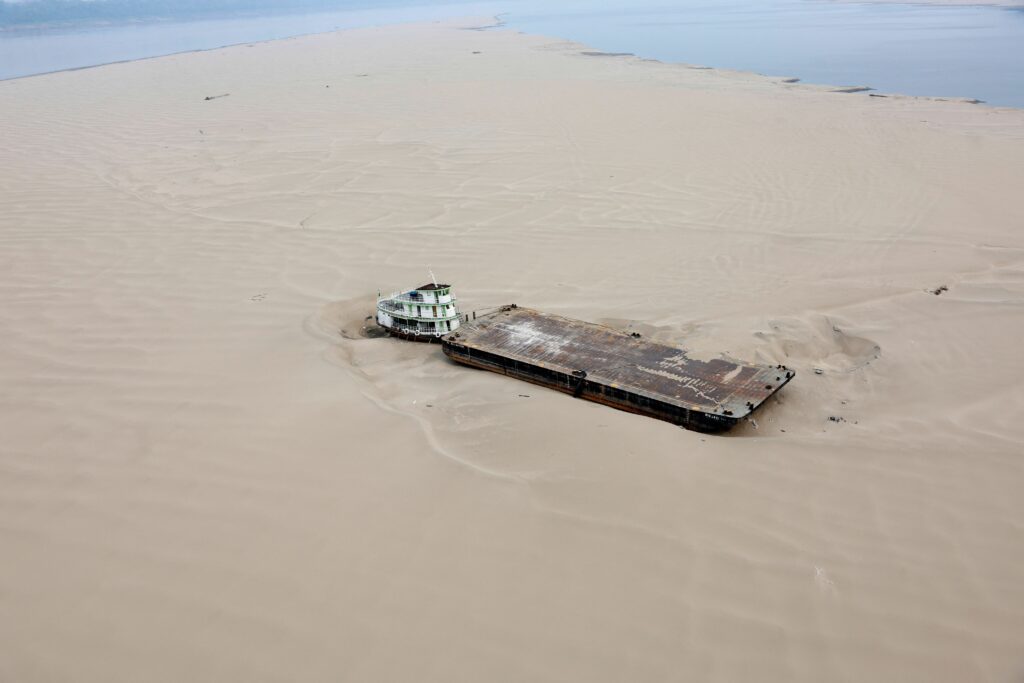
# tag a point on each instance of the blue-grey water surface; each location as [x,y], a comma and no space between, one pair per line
[947,51]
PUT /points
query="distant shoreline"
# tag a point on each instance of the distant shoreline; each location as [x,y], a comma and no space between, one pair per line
[74,25]
[219,16]
[798,81]
[179,52]
[211,14]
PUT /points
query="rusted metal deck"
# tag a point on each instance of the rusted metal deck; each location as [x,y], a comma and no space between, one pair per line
[622,370]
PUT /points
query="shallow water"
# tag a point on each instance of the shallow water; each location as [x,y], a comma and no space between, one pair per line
[25,52]
[921,50]
[915,49]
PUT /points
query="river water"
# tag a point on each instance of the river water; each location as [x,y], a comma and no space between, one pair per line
[946,51]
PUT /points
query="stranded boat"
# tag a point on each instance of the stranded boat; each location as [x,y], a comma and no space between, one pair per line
[422,314]
[618,369]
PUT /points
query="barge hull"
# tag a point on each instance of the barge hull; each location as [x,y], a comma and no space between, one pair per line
[701,422]
[614,368]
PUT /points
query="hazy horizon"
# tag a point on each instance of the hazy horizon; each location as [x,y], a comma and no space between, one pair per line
[15,13]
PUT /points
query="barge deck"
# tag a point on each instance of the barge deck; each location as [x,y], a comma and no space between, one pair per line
[618,369]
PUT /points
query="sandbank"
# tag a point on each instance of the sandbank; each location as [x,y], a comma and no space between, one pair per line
[210,472]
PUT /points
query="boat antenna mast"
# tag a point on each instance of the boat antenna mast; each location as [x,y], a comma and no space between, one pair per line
[433,277]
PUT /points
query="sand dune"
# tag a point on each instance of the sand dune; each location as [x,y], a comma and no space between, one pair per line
[211,472]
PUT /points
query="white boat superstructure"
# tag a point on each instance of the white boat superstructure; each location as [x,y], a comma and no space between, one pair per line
[424,314]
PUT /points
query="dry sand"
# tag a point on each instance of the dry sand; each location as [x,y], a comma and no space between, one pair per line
[208,473]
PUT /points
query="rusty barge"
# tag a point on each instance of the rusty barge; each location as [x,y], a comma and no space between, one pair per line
[618,369]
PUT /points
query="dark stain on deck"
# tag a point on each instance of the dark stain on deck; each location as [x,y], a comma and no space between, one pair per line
[616,368]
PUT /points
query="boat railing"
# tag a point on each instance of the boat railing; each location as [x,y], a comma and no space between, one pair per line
[404,297]
[399,311]
[413,329]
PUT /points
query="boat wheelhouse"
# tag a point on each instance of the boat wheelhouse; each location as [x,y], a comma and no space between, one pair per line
[422,314]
